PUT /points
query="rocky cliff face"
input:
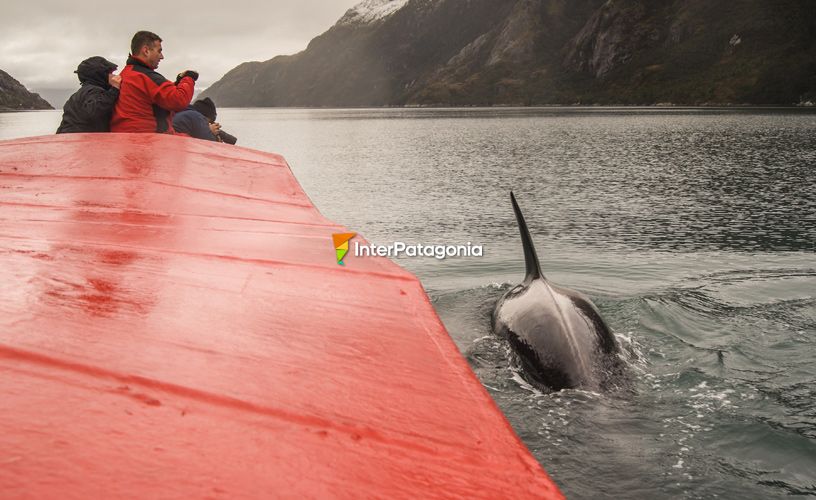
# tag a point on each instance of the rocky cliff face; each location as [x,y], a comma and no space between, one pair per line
[15,97]
[522,52]
[611,37]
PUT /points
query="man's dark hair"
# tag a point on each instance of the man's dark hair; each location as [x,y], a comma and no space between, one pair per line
[142,38]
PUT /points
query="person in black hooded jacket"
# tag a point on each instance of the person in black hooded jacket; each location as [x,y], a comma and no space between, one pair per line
[91,107]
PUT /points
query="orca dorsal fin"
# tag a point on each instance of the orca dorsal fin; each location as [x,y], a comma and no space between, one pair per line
[530,256]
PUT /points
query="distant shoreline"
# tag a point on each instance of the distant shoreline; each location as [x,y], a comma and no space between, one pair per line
[803,107]
[552,106]
[6,110]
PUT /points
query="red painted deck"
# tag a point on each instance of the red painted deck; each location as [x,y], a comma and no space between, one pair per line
[174,324]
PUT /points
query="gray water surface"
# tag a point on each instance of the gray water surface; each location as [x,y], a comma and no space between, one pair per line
[693,230]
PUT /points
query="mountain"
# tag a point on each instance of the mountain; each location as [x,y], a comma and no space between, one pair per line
[15,97]
[528,52]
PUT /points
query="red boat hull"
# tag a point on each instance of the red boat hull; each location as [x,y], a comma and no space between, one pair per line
[174,323]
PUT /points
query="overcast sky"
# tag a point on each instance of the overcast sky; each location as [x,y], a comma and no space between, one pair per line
[43,41]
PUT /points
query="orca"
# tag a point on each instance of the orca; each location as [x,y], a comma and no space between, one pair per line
[558,338]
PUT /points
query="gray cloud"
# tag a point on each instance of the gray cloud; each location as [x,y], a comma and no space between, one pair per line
[44,40]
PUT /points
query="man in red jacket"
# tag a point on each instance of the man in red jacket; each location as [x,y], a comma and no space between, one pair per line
[147,100]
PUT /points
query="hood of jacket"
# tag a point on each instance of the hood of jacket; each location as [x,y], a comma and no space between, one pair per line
[95,71]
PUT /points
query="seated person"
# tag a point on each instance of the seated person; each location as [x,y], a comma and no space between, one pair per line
[91,107]
[198,121]
[148,100]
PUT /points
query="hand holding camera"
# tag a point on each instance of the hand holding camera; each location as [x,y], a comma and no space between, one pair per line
[192,74]
[215,128]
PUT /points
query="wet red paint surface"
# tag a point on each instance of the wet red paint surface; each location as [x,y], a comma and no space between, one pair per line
[173,323]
